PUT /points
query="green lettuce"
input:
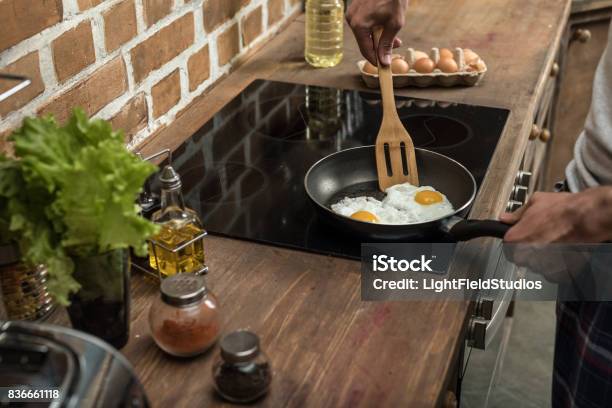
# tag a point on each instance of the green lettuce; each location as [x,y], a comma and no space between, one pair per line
[70,192]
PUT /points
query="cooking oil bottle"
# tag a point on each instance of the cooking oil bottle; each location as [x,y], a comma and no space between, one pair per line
[324,37]
[176,248]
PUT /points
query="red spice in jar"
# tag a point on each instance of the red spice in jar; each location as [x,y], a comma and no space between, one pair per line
[186,337]
[184,320]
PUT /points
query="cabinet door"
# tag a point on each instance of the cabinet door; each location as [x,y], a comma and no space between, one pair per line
[587,38]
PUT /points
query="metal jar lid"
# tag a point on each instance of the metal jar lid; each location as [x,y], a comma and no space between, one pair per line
[169,178]
[183,289]
[239,346]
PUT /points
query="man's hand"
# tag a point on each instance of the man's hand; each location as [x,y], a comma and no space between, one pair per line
[584,217]
[548,218]
[363,15]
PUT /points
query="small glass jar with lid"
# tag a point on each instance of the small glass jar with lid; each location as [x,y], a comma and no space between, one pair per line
[184,320]
[242,371]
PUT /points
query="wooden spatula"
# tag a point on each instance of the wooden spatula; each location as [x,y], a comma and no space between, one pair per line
[395,157]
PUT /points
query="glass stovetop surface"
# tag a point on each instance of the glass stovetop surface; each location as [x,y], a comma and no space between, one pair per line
[243,171]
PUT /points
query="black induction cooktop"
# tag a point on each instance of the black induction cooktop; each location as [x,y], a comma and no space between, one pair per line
[243,171]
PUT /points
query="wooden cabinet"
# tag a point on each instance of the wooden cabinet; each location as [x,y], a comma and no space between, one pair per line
[538,149]
[533,165]
[581,49]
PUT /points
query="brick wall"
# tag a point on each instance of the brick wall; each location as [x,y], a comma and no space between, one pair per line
[135,62]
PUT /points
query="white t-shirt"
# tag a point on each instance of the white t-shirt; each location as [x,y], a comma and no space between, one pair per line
[592,164]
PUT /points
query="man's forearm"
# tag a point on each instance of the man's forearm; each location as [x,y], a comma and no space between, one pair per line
[606,209]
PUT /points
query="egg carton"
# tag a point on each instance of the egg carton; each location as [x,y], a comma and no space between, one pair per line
[437,78]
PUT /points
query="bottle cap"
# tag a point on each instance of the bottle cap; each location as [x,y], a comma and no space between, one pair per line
[169,178]
[239,346]
[183,289]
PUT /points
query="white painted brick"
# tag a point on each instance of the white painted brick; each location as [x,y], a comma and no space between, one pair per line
[42,40]
[97,28]
[47,70]
[140,22]
[71,7]
[127,57]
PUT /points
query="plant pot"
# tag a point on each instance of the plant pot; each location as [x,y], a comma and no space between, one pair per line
[102,306]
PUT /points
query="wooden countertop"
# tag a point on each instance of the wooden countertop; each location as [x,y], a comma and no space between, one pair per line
[327,347]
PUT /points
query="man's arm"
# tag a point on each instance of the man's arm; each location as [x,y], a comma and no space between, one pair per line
[584,217]
[364,15]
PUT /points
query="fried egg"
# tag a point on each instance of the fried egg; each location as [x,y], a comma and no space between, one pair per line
[403,204]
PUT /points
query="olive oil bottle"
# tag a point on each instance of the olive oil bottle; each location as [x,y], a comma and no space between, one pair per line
[324,32]
[173,252]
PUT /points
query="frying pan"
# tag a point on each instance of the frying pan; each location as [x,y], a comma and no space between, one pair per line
[352,172]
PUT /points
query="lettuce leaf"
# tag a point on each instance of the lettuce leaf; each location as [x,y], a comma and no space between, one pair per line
[70,192]
[99,211]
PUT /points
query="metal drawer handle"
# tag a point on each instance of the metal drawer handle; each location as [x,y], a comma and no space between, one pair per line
[477,334]
[582,35]
[554,71]
[523,178]
[520,193]
[450,401]
[513,205]
[484,309]
[535,132]
[481,332]
[545,135]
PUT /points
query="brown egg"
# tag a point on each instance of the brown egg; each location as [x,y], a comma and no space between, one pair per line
[399,66]
[370,69]
[420,54]
[446,53]
[470,56]
[448,65]
[476,66]
[424,66]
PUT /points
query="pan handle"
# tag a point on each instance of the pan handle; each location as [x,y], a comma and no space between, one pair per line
[464,230]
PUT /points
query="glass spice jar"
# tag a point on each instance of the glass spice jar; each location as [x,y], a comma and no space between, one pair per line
[184,320]
[241,371]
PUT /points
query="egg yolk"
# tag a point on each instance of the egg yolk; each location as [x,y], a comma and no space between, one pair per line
[365,216]
[428,197]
